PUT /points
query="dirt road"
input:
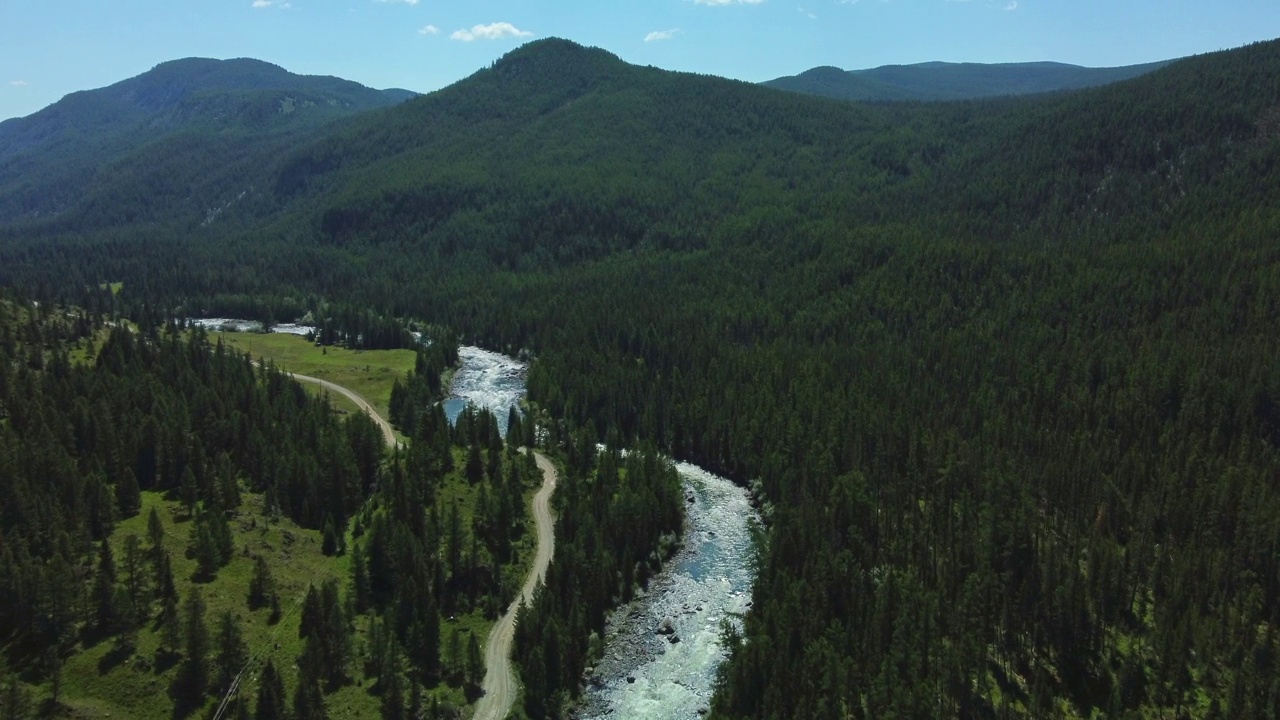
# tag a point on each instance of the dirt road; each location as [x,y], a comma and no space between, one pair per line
[387,433]
[499,681]
[500,686]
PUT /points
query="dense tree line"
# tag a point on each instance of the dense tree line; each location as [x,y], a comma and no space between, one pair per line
[613,513]
[437,523]
[147,410]
[409,399]
[1002,369]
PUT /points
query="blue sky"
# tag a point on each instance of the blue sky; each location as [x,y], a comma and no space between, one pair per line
[49,48]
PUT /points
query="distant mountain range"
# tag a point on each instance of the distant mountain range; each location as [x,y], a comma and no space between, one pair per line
[50,158]
[953,81]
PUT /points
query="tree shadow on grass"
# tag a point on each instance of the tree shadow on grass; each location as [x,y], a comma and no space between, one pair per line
[166,659]
[115,657]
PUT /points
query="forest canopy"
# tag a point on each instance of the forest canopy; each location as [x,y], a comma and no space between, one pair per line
[1005,368]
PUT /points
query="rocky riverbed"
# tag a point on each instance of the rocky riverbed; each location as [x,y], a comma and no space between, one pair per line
[663,649]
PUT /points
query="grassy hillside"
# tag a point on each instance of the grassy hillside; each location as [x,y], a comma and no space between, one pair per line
[100,680]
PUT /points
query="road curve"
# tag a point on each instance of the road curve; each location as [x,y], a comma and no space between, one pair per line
[387,433]
[500,685]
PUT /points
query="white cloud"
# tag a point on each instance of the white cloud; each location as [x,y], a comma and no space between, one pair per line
[722,3]
[18,83]
[260,4]
[492,31]
[406,2]
[429,30]
[658,35]
[1013,5]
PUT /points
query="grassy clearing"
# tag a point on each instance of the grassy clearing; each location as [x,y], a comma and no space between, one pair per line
[99,683]
[368,373]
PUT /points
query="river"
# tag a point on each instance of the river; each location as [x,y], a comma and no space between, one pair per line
[486,379]
[643,674]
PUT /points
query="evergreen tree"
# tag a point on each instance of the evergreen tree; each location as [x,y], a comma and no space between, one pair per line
[128,495]
[329,544]
[271,702]
[391,684]
[165,588]
[107,614]
[170,624]
[360,589]
[308,701]
[15,699]
[231,652]
[189,491]
[475,661]
[261,585]
[193,675]
[155,534]
[135,575]
[204,547]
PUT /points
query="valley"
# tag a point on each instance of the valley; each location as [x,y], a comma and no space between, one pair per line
[999,373]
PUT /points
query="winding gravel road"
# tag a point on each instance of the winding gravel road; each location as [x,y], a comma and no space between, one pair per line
[500,685]
[387,433]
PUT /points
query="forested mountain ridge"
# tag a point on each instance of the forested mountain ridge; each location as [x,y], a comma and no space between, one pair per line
[48,159]
[932,81]
[1005,368]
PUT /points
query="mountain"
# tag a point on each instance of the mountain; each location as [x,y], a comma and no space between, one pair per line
[48,160]
[953,81]
[1002,371]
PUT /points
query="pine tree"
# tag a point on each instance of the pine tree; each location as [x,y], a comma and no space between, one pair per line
[188,491]
[193,676]
[456,662]
[475,465]
[337,635]
[261,585]
[360,589]
[135,578]
[128,495]
[274,617]
[155,534]
[391,684]
[329,545]
[271,702]
[106,613]
[165,587]
[170,624]
[231,652]
[15,699]
[308,701]
[312,621]
[205,548]
[475,661]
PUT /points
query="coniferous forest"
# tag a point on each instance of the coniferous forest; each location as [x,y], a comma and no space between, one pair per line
[1004,370]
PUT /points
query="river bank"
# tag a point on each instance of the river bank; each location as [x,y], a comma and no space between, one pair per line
[648,672]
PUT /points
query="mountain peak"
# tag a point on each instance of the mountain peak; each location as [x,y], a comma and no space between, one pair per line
[557,59]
